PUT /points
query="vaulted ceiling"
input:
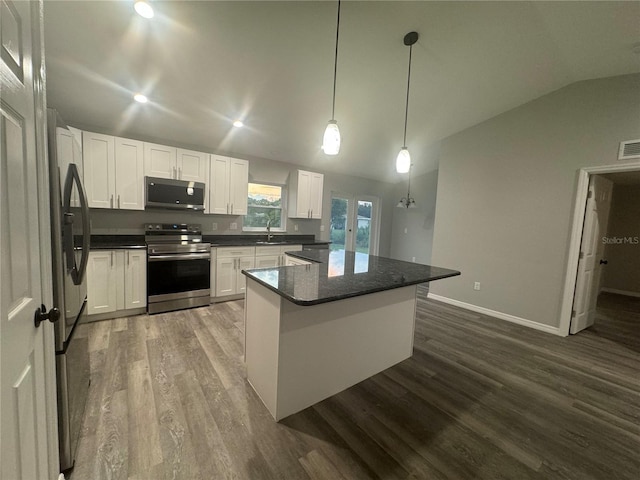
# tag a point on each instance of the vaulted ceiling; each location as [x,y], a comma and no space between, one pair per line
[204,64]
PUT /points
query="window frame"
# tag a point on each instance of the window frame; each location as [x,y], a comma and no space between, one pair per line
[283,209]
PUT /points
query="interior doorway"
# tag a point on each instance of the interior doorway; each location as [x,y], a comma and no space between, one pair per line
[586,253]
[354,223]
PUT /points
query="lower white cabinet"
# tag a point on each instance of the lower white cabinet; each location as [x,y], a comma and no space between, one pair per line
[116,280]
[269,256]
[229,265]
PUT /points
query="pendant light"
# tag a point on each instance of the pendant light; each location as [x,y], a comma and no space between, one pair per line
[403,161]
[331,138]
[408,201]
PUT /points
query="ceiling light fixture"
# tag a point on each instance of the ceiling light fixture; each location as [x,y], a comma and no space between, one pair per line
[331,138]
[143,9]
[403,161]
[140,98]
[408,201]
[238,124]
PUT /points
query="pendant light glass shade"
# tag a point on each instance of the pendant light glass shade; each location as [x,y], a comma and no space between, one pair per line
[403,161]
[331,139]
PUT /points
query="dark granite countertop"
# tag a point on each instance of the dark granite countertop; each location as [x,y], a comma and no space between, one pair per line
[342,274]
[116,242]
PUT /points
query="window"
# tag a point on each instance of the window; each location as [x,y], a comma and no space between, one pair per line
[265,203]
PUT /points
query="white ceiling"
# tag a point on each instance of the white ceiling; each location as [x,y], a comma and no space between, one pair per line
[204,64]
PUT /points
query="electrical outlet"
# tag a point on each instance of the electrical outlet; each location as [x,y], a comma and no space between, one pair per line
[413,259]
[233,226]
[406,230]
[322,228]
[476,286]
[295,227]
[214,226]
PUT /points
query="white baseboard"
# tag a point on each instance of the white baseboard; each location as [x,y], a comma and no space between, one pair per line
[621,292]
[496,314]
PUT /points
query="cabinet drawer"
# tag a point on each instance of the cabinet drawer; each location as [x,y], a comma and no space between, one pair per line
[290,248]
[226,252]
[268,250]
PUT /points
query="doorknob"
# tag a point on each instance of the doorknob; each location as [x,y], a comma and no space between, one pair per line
[41,315]
[604,262]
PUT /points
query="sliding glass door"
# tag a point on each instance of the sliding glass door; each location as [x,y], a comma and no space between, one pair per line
[354,223]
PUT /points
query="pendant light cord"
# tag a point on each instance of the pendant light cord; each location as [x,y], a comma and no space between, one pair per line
[335,66]
[406,110]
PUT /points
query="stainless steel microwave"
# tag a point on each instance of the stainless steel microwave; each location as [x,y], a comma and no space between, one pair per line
[174,194]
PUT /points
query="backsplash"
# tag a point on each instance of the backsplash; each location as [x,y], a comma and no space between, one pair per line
[131,222]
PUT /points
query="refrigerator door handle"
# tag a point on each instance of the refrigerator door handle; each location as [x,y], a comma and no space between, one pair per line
[78,272]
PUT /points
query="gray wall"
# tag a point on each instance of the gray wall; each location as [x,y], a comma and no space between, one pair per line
[412,228]
[623,270]
[506,189]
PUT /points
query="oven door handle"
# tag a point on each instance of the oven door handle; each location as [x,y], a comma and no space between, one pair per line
[183,256]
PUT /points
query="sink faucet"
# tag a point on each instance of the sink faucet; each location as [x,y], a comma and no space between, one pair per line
[269,236]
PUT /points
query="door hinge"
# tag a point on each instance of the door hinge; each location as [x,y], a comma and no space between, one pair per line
[590,194]
[573,313]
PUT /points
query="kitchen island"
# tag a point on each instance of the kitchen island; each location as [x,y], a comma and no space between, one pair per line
[314,330]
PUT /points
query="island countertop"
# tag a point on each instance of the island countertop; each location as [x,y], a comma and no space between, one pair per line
[341,274]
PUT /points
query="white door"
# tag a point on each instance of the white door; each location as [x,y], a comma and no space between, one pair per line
[129,184]
[596,218]
[219,185]
[192,166]
[160,161]
[238,186]
[101,282]
[24,230]
[99,169]
[244,263]
[315,195]
[135,279]
[225,276]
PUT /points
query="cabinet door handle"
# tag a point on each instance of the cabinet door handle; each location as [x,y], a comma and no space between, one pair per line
[180,173]
[118,201]
[227,208]
[128,252]
[311,216]
[111,259]
[111,202]
[232,208]
[173,173]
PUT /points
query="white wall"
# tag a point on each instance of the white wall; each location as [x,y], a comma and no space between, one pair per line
[506,189]
[622,273]
[418,222]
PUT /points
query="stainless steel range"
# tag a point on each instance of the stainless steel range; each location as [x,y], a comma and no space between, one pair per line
[178,267]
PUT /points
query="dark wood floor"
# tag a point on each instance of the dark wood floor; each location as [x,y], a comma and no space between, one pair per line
[480,398]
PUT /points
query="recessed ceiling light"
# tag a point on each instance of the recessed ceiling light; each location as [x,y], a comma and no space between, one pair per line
[238,124]
[140,98]
[143,9]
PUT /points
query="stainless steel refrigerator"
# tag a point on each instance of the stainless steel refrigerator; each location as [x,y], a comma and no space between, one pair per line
[70,232]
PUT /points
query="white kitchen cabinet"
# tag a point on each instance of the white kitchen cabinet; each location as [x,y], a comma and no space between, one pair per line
[229,265]
[69,150]
[113,171]
[228,186]
[192,166]
[305,195]
[116,280]
[160,161]
[269,256]
[290,261]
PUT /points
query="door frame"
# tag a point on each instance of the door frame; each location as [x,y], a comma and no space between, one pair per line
[352,212]
[575,240]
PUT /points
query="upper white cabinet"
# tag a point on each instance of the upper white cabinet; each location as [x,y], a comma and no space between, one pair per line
[113,171]
[69,150]
[228,185]
[169,162]
[160,161]
[305,195]
[192,166]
